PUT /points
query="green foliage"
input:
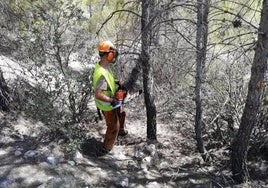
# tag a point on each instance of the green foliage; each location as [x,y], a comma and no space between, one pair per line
[233,24]
[52,36]
[37,103]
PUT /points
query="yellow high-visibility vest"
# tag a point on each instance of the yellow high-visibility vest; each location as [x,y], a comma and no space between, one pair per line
[99,71]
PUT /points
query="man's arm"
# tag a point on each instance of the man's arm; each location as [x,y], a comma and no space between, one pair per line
[99,95]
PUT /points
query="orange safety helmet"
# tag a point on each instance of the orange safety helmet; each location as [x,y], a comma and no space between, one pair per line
[108,47]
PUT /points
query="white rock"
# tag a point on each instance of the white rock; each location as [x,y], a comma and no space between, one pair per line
[154,184]
[139,155]
[54,161]
[30,154]
[122,182]
[151,148]
[72,163]
[121,156]
[147,160]
[18,153]
[78,155]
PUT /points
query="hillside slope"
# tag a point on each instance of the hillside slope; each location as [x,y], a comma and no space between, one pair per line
[30,159]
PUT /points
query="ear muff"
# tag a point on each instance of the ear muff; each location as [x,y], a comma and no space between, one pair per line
[110,56]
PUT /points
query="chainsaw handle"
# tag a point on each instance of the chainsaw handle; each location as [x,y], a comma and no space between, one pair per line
[120,85]
[117,104]
[114,101]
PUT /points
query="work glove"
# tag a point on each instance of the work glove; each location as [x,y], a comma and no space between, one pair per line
[116,103]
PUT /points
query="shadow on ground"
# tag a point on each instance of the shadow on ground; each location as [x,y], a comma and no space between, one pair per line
[92,147]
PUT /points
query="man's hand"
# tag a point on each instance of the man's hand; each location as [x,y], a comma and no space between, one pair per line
[114,101]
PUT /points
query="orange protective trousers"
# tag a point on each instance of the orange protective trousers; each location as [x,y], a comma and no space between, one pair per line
[115,121]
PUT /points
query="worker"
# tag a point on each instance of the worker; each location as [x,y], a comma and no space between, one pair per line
[105,87]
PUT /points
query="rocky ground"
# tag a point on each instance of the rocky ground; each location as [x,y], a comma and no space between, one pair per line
[29,159]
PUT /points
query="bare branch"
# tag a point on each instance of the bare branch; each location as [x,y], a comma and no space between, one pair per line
[235,14]
[111,16]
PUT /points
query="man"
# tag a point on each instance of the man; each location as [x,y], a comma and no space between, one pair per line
[104,90]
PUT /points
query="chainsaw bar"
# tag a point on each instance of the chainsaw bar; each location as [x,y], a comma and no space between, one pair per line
[130,97]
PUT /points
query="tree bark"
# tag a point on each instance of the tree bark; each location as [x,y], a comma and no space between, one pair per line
[146,29]
[4,94]
[201,47]
[249,117]
[133,76]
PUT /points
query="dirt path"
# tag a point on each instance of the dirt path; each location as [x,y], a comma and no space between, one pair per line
[28,160]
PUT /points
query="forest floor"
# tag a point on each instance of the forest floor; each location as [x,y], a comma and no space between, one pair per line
[28,158]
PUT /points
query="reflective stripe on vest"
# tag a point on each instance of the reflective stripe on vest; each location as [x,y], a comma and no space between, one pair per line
[98,72]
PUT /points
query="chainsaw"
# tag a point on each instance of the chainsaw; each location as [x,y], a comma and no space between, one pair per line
[122,97]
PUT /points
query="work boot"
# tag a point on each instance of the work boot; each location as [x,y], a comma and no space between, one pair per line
[122,133]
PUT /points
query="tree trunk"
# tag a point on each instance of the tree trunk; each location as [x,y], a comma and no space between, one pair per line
[146,29]
[4,93]
[201,45]
[249,117]
[133,77]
